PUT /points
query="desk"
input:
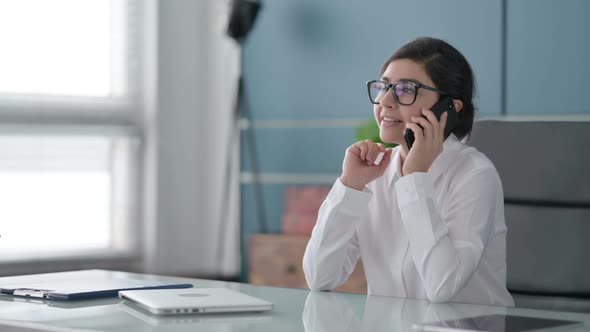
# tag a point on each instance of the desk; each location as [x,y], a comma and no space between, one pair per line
[294,310]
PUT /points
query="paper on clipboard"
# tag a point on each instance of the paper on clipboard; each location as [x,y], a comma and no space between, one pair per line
[78,285]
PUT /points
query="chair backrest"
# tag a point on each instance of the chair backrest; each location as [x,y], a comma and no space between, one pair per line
[545,172]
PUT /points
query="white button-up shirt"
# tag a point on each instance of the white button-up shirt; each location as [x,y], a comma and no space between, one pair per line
[439,235]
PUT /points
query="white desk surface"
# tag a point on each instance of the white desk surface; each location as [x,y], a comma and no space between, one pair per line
[294,310]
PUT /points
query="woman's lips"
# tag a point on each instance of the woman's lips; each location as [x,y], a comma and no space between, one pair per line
[390,122]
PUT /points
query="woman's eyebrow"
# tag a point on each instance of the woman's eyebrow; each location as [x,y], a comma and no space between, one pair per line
[409,80]
[385,79]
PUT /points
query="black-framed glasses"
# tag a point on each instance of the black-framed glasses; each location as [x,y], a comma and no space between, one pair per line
[404,92]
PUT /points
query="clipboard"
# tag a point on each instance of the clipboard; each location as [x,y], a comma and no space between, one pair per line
[79,285]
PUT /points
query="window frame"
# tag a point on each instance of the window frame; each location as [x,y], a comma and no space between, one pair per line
[119,116]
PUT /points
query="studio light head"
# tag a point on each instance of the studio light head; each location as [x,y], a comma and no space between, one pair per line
[241,19]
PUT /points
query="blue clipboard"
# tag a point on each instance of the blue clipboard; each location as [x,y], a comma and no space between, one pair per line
[79,285]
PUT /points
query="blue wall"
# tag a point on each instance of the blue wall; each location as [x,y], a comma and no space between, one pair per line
[310,59]
[306,62]
[548,57]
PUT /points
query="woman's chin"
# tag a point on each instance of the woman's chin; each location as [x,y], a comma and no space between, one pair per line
[391,139]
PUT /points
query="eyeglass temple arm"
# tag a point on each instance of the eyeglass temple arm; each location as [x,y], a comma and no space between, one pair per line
[433,89]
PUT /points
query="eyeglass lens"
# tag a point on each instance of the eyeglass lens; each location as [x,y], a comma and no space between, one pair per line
[404,92]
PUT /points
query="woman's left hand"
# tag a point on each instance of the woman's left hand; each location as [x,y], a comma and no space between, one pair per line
[428,142]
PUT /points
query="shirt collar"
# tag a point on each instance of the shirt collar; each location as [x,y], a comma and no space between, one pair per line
[394,171]
[451,147]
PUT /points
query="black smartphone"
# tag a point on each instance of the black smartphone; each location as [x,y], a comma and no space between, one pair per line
[444,104]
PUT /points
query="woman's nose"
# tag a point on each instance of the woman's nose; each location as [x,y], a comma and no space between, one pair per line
[387,100]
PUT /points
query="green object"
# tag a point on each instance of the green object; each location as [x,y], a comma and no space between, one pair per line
[370,130]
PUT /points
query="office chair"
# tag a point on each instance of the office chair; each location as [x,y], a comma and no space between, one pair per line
[545,172]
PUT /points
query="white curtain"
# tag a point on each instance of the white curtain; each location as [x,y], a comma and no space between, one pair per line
[224,75]
[191,220]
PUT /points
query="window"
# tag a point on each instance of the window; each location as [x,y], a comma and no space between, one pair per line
[69,104]
[62,47]
[59,194]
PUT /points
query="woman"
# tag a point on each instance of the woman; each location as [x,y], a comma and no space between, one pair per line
[427,221]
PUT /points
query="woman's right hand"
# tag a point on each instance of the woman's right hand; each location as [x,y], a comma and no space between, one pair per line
[358,168]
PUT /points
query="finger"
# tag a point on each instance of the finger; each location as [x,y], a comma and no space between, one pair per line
[418,132]
[372,153]
[433,121]
[354,149]
[381,153]
[364,149]
[426,126]
[386,158]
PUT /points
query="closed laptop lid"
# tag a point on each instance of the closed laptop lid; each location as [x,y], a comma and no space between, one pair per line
[249,318]
[194,300]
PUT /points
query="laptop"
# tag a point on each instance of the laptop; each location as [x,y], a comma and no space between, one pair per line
[174,320]
[194,300]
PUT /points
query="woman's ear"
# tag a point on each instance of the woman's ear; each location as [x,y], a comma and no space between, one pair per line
[458,104]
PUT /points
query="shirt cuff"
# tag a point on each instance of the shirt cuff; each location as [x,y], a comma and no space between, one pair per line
[349,200]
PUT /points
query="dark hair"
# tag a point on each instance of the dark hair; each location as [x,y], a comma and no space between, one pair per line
[448,69]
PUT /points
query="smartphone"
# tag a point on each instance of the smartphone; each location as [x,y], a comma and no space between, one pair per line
[444,104]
